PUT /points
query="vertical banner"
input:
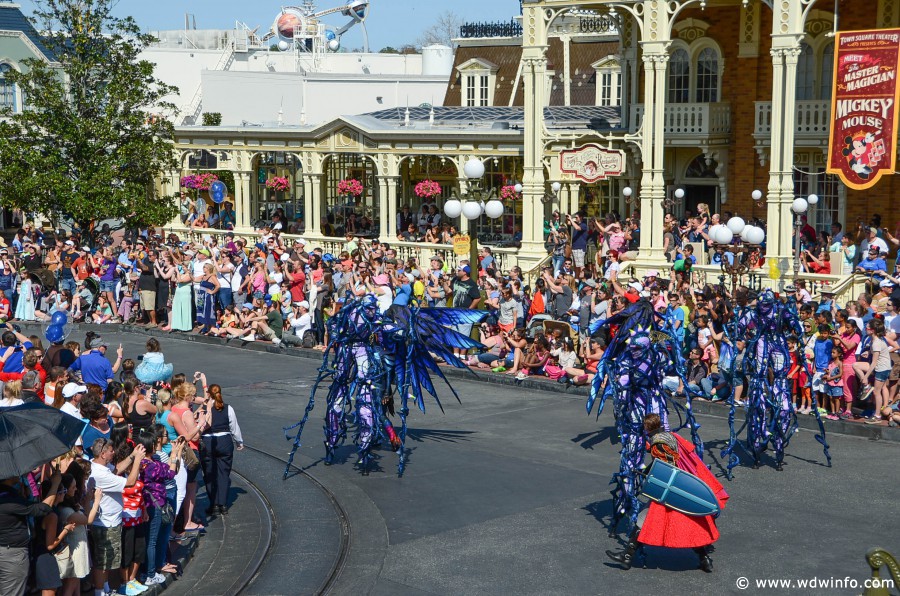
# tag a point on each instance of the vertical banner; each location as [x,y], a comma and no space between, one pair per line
[862,146]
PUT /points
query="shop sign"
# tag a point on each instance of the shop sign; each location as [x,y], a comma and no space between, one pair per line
[863,140]
[461,245]
[591,163]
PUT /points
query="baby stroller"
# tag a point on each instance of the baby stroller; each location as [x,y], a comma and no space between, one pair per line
[536,326]
[566,329]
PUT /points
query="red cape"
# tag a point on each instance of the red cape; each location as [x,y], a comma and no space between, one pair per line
[673,529]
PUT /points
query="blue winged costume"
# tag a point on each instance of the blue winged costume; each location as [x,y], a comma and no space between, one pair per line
[631,372]
[369,356]
[771,416]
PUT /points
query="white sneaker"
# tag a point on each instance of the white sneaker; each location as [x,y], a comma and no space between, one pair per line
[251,337]
[157,578]
[276,342]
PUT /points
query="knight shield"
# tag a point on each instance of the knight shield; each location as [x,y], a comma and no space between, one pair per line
[679,490]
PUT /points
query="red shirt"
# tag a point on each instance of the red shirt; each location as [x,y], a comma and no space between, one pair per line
[297,284]
[82,268]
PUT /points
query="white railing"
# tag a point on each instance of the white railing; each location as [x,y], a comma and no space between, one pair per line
[506,258]
[811,119]
[689,119]
[191,114]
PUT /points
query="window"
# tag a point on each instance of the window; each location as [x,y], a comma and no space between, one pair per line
[608,73]
[357,213]
[827,71]
[477,80]
[815,70]
[7,89]
[826,187]
[265,201]
[806,72]
[679,77]
[708,76]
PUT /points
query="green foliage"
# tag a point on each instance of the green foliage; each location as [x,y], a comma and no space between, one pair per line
[96,133]
[212,118]
[388,50]
[226,176]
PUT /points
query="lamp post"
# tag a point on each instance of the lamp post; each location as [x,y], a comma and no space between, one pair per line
[799,207]
[475,202]
[548,196]
[723,237]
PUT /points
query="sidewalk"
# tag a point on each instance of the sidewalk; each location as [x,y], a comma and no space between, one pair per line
[851,428]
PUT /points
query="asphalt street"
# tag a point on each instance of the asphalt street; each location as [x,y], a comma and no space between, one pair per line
[508,493]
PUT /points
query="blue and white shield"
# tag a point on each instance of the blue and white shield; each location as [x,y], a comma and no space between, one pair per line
[679,490]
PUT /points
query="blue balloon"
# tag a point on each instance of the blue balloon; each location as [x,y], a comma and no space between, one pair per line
[55,333]
[59,318]
[218,197]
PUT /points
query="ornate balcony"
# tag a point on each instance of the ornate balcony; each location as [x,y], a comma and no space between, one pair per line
[811,122]
[691,124]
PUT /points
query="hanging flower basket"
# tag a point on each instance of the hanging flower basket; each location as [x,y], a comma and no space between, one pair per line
[278,183]
[198,181]
[350,186]
[428,189]
[508,193]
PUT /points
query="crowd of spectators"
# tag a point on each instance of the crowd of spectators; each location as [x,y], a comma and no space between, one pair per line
[109,515]
[271,289]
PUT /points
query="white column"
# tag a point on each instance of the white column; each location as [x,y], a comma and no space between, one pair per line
[653,185]
[315,202]
[534,70]
[243,221]
[787,33]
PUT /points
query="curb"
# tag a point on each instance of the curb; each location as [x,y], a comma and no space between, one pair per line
[183,555]
[842,427]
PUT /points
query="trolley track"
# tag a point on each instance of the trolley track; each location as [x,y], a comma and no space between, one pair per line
[343,519]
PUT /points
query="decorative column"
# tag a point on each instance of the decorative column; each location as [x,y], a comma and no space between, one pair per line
[243,220]
[312,203]
[534,70]
[653,185]
[787,33]
[387,207]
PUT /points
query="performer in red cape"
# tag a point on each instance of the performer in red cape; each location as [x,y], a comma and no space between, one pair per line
[663,526]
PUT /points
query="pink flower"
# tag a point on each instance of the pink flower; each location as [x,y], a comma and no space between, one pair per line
[428,189]
[278,183]
[350,187]
[508,193]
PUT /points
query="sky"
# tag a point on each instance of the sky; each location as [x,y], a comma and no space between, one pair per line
[390,22]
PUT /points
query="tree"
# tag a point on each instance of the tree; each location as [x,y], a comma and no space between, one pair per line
[443,32]
[388,50]
[91,142]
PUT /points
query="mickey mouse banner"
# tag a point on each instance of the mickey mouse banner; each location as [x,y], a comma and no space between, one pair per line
[863,142]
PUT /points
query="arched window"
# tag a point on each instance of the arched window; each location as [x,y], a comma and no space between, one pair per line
[708,76]
[7,89]
[827,71]
[679,77]
[806,73]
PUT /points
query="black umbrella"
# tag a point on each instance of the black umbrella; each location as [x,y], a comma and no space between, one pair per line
[33,434]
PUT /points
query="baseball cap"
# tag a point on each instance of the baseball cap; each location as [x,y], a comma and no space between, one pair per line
[410,277]
[204,251]
[97,342]
[636,286]
[886,283]
[302,241]
[590,283]
[381,280]
[464,268]
[247,306]
[302,304]
[73,389]
[652,273]
[69,243]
